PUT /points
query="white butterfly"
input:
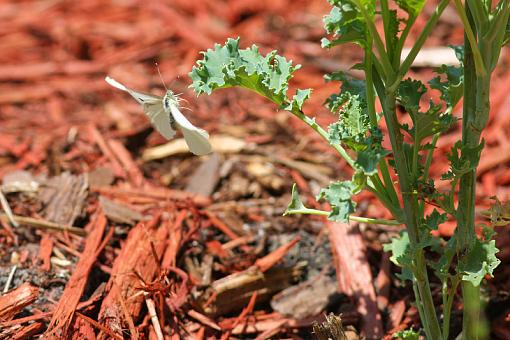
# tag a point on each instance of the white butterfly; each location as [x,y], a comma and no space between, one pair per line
[165,116]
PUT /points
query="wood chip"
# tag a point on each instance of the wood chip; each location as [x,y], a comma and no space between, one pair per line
[62,317]
[64,197]
[205,178]
[306,299]
[354,275]
[234,291]
[119,213]
[13,302]
[220,144]
[19,181]
[136,256]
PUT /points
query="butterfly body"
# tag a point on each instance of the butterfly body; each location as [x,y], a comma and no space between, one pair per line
[168,100]
[166,117]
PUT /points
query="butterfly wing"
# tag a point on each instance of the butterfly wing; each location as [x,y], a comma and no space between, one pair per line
[140,97]
[152,107]
[160,119]
[197,139]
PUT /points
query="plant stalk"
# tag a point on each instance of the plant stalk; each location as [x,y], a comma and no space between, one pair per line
[411,211]
[406,65]
[474,119]
[473,325]
[448,297]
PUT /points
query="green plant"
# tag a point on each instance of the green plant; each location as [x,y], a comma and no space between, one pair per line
[463,260]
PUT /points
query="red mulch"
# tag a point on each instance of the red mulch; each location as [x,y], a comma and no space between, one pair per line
[182,246]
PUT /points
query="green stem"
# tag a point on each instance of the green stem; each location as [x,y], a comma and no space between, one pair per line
[406,65]
[479,65]
[397,139]
[411,211]
[395,210]
[479,14]
[426,167]
[414,162]
[388,182]
[422,282]
[388,186]
[385,13]
[378,67]
[308,211]
[498,22]
[474,119]
[495,35]
[421,312]
[369,81]
[382,194]
[428,161]
[448,297]
[324,134]
[387,68]
[402,40]
[473,326]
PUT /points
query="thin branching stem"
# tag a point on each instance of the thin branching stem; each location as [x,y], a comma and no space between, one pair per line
[406,65]
[324,134]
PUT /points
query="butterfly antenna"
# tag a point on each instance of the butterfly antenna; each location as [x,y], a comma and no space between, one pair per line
[182,100]
[173,83]
[160,76]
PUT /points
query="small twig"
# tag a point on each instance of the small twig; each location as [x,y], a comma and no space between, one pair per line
[127,316]
[99,326]
[7,209]
[9,279]
[151,308]
[204,319]
[42,224]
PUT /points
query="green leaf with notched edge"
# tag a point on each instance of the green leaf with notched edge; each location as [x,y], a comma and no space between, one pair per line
[424,123]
[228,65]
[464,158]
[339,196]
[428,241]
[412,7]
[393,29]
[349,84]
[298,100]
[295,203]
[429,123]
[442,266]
[499,213]
[368,159]
[359,179]
[401,254]
[480,261]
[346,22]
[451,88]
[434,219]
[351,102]
[409,94]
[351,106]
[353,124]
[353,128]
[459,53]
[445,201]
